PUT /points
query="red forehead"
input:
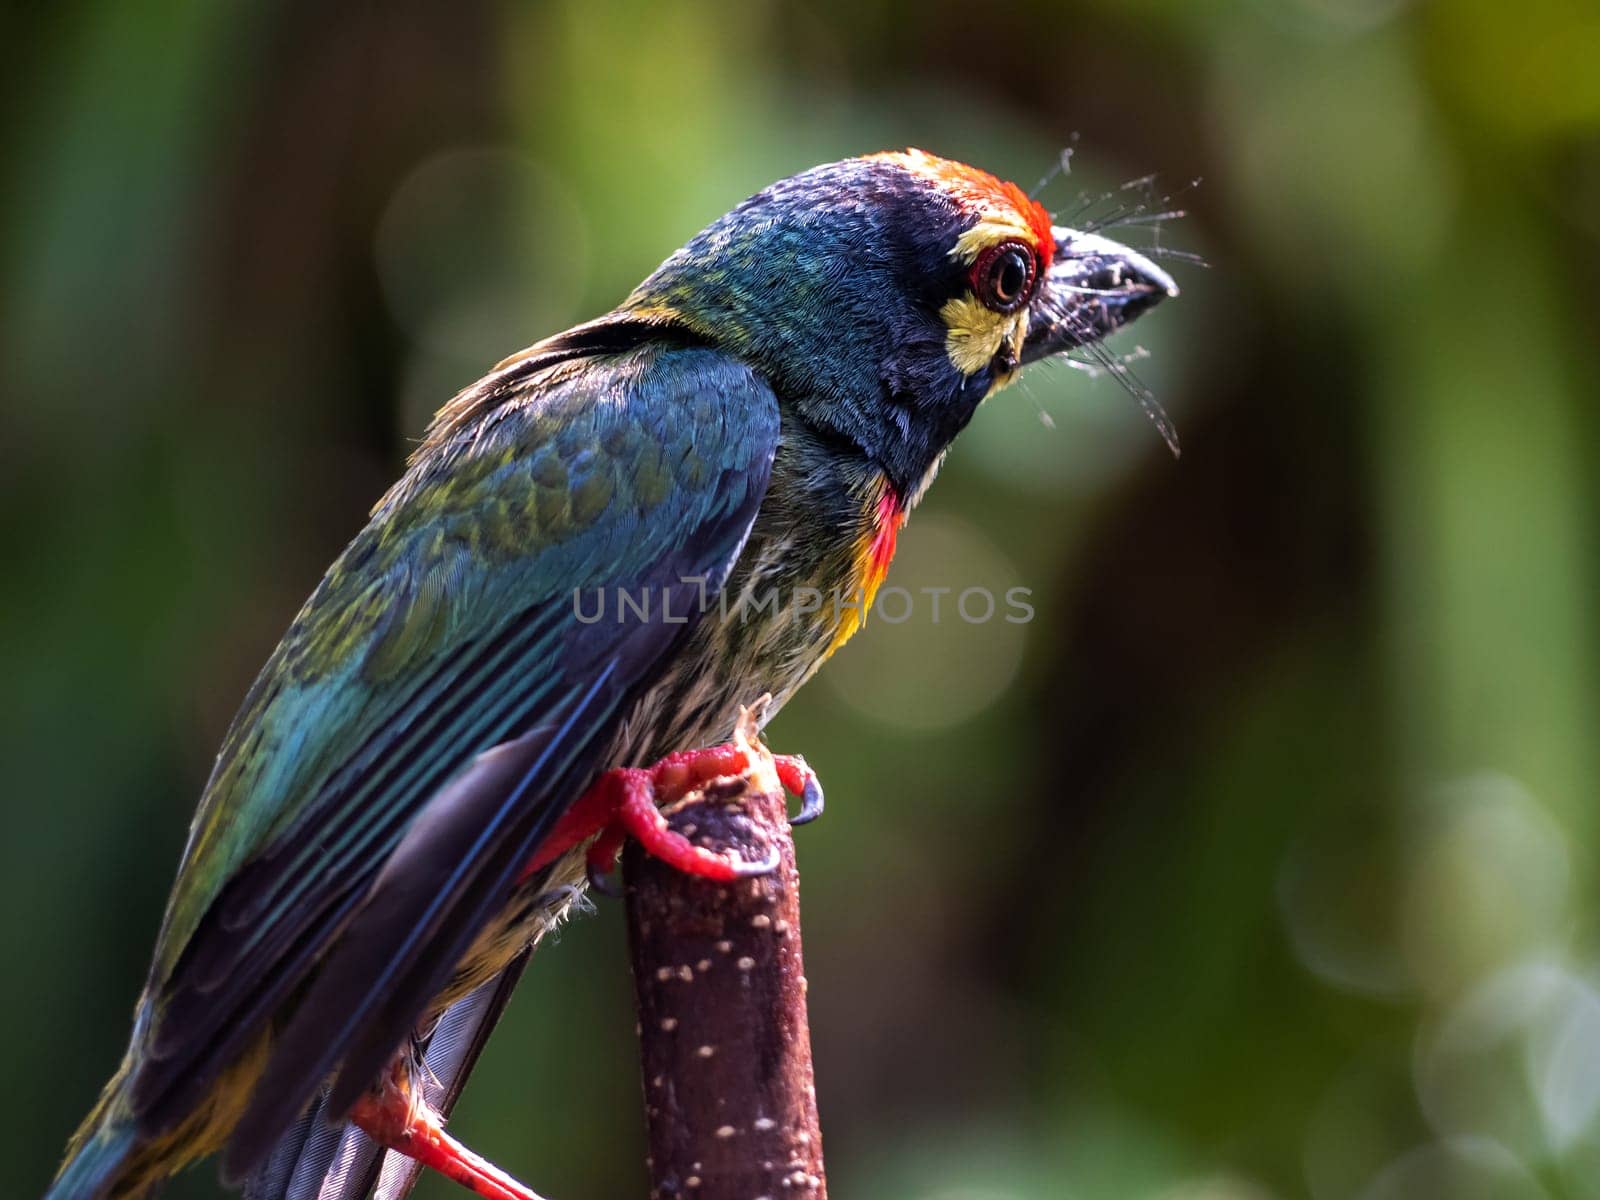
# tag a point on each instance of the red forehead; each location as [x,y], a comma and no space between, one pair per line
[978,191]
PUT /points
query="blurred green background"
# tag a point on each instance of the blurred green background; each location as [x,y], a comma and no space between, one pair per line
[1260,864]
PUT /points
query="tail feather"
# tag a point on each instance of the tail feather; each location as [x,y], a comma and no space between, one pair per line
[452,1052]
[318,1158]
[322,1160]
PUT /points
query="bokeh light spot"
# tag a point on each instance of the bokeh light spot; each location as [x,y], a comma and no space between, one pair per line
[482,251]
[923,666]
[1488,881]
[1460,1169]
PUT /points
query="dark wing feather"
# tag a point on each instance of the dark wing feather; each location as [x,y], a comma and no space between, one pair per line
[383,834]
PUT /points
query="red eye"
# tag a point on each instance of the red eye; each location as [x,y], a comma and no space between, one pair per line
[1003,276]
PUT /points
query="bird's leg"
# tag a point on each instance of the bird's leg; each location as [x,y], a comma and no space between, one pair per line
[628,801]
[397,1117]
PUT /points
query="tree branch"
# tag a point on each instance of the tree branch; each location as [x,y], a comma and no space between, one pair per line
[730,1097]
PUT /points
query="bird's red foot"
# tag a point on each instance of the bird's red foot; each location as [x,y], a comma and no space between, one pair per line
[397,1118]
[629,801]
[799,779]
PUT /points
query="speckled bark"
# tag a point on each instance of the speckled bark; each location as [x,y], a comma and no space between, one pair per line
[726,1050]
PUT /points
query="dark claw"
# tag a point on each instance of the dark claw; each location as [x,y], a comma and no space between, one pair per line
[767,865]
[603,883]
[810,803]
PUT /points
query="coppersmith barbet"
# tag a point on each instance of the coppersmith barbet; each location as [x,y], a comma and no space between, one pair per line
[405,801]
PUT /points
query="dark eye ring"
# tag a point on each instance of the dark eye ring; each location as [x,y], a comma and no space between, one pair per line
[1003,276]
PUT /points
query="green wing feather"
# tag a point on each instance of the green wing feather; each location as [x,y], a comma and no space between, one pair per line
[445,629]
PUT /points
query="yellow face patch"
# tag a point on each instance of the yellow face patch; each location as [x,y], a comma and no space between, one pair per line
[974,332]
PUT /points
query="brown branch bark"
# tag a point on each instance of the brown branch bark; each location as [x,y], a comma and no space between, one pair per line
[730,1097]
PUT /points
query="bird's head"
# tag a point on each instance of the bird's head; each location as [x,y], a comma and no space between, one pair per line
[885,297]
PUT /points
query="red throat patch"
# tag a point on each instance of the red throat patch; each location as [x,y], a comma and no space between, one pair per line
[873,554]
[881,552]
[979,192]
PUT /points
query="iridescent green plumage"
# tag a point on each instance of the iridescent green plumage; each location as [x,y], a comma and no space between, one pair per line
[566,490]
[448,628]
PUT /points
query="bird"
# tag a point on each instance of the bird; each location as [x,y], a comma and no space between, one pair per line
[597,555]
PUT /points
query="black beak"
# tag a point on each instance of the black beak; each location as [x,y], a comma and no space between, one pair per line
[1094,287]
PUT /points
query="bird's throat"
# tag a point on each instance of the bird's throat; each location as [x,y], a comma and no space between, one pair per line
[880,549]
[874,553]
